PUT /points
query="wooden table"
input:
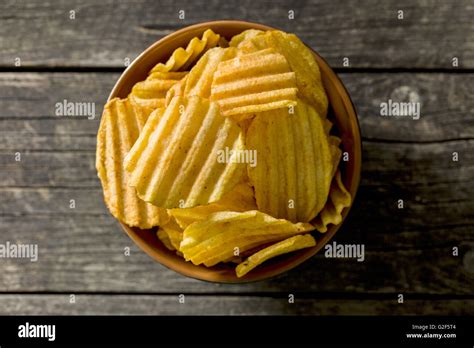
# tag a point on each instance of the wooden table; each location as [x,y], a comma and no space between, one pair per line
[409,251]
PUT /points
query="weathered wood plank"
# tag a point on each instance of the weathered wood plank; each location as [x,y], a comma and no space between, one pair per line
[32,95]
[381,225]
[85,253]
[28,121]
[368,32]
[48,134]
[446,105]
[379,206]
[48,169]
[386,164]
[228,305]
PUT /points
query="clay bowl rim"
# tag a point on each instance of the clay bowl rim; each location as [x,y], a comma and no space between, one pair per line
[146,240]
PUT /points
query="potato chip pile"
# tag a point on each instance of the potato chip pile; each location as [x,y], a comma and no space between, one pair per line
[226,147]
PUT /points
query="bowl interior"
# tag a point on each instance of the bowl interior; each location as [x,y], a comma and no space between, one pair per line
[341,112]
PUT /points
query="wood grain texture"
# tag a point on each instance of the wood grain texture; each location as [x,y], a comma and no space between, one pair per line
[368,32]
[85,252]
[28,120]
[224,305]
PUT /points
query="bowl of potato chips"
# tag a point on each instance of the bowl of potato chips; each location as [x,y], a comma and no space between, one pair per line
[229,151]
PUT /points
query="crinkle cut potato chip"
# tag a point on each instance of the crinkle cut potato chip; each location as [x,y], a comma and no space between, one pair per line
[254,82]
[244,36]
[171,234]
[294,169]
[119,128]
[285,246]
[200,78]
[176,90]
[339,198]
[240,199]
[150,94]
[334,143]
[327,126]
[336,152]
[180,159]
[165,239]
[216,239]
[198,81]
[182,59]
[301,61]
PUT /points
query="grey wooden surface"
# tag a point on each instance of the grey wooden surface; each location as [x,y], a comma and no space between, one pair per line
[369,32]
[408,251]
[217,305]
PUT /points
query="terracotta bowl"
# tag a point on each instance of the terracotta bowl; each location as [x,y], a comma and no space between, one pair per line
[341,112]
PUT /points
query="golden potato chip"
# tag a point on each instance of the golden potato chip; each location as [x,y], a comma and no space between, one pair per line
[240,199]
[253,82]
[285,246]
[227,234]
[181,59]
[301,61]
[173,233]
[237,40]
[183,159]
[334,142]
[119,128]
[294,168]
[339,198]
[327,126]
[336,152]
[211,39]
[133,155]
[176,90]
[245,124]
[199,80]
[165,239]
[150,94]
